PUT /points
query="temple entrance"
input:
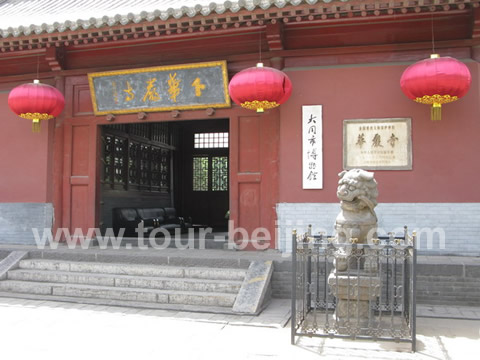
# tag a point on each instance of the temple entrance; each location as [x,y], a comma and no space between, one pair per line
[103,165]
[180,169]
[206,169]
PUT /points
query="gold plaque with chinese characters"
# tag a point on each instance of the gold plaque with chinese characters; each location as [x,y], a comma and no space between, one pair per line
[162,88]
[377,144]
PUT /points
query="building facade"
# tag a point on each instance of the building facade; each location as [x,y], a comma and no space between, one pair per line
[346,56]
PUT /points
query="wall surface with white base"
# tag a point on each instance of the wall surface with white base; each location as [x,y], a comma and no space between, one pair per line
[457,223]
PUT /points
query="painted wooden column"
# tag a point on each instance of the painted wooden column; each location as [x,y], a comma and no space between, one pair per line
[57,165]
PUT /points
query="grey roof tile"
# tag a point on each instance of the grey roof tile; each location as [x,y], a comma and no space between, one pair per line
[26,17]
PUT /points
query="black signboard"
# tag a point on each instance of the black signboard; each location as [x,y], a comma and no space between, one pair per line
[177,87]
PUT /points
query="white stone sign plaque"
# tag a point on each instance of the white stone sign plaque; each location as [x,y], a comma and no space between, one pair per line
[377,144]
[312,147]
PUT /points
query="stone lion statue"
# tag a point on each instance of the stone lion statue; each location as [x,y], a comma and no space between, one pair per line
[357,192]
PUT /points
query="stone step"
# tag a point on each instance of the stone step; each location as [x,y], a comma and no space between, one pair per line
[127,281]
[123,303]
[450,285]
[119,293]
[448,278]
[135,269]
[449,282]
[442,296]
[448,300]
[446,294]
[452,289]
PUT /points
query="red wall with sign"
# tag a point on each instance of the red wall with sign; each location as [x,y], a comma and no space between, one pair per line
[445,163]
[445,153]
[24,165]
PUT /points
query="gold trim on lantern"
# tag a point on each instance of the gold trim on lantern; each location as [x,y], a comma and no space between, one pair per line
[36,116]
[259,105]
[436,99]
[36,125]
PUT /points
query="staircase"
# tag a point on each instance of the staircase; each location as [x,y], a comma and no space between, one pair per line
[144,286]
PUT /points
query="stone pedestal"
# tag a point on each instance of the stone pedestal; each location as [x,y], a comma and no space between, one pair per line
[348,309]
[354,294]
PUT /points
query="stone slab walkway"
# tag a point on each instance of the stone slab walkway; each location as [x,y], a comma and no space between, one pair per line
[449,312]
[56,330]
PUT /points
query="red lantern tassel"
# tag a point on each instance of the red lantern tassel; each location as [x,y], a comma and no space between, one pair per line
[436,112]
[36,126]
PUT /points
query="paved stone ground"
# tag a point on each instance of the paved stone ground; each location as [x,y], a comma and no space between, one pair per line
[32,329]
[449,312]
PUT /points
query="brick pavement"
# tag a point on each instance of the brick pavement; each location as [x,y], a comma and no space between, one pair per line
[56,330]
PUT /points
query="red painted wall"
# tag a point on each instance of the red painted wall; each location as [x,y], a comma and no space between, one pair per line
[24,158]
[446,162]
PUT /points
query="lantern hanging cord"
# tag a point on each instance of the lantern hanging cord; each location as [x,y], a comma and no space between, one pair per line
[38,66]
[260,45]
[433,36]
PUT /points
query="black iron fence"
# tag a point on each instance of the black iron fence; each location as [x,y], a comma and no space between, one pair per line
[359,291]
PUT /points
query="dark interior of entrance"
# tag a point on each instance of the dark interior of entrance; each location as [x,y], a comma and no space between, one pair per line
[182,165]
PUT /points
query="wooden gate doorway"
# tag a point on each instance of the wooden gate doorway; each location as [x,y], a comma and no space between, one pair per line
[252,170]
[205,172]
[184,165]
[253,161]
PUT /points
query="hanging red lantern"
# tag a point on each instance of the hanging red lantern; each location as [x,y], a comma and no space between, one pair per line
[258,88]
[36,102]
[436,81]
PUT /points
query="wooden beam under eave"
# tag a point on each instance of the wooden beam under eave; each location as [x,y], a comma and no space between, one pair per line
[374,48]
[377,54]
[274,33]
[476,23]
[55,57]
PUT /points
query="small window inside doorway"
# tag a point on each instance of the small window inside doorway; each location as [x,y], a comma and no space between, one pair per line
[211,140]
[219,173]
[210,165]
[200,173]
[210,173]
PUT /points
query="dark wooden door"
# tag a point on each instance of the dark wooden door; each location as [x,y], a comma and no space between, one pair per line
[210,188]
[206,171]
